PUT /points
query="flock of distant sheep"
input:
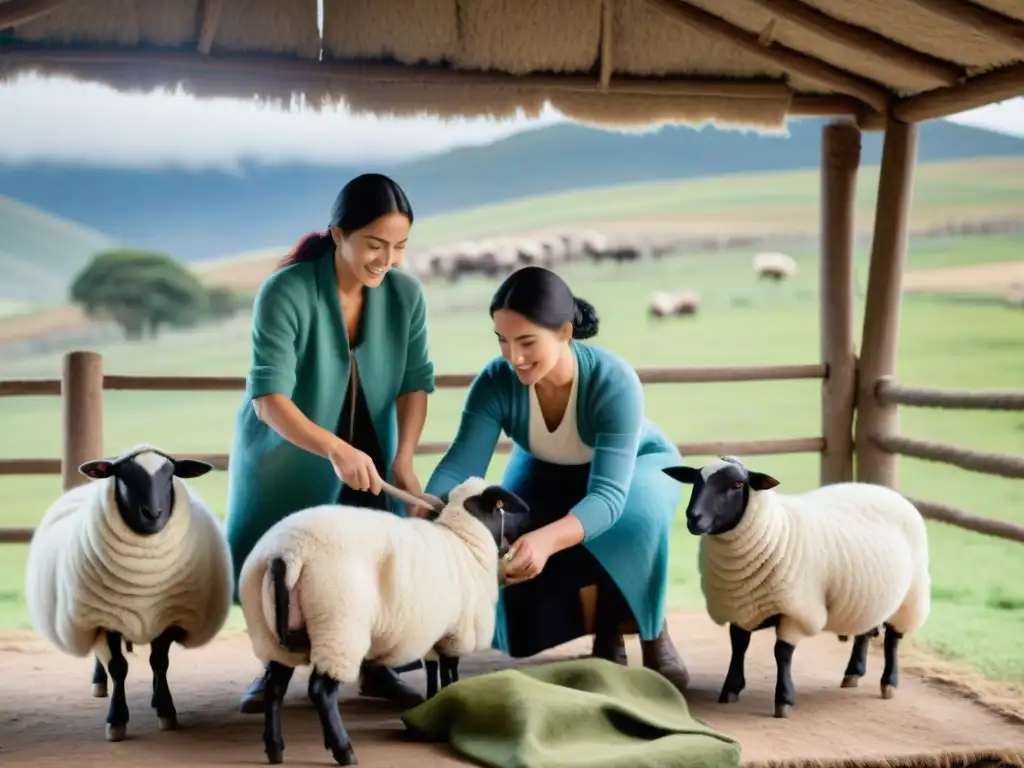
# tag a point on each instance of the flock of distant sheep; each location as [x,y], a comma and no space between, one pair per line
[495,257]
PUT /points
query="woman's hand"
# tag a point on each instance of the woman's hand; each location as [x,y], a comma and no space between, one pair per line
[406,480]
[529,555]
[355,468]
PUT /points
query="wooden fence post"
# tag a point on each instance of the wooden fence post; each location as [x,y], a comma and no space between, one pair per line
[840,159]
[880,334]
[82,408]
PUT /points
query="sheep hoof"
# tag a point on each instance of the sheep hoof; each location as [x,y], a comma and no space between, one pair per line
[345,756]
[888,691]
[782,709]
[850,681]
[728,697]
[168,723]
[99,690]
[116,732]
[275,756]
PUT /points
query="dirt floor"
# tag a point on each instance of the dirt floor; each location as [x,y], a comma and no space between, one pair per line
[999,278]
[48,717]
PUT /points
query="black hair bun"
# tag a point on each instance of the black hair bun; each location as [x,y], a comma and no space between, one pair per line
[584,319]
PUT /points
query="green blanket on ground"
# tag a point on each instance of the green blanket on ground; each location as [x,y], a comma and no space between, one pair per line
[581,713]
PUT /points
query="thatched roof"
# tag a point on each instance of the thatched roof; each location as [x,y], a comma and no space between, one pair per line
[736,62]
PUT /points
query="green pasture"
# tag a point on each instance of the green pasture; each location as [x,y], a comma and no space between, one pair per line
[978,581]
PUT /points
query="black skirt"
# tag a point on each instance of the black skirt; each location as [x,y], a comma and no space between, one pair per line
[546,611]
[363,437]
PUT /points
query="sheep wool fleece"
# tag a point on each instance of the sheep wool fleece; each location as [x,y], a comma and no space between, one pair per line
[370,584]
[843,558]
[628,511]
[88,573]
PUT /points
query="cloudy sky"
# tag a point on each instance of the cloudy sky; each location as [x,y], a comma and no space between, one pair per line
[90,124]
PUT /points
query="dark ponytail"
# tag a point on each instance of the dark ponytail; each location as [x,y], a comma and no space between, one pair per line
[359,203]
[543,298]
[310,248]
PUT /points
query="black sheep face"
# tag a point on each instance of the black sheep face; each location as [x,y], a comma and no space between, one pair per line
[503,513]
[144,485]
[720,494]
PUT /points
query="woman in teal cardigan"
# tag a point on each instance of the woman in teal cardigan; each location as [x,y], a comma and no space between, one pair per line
[334,315]
[587,463]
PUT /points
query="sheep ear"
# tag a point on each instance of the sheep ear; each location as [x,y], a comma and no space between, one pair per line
[97,469]
[759,481]
[475,506]
[190,468]
[687,475]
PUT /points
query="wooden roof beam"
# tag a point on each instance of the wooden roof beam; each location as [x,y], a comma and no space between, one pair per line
[607,62]
[995,86]
[1005,29]
[863,40]
[871,93]
[15,12]
[208,30]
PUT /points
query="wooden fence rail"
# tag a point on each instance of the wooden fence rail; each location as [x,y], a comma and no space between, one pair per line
[681,375]
[943,513]
[220,460]
[982,462]
[890,392]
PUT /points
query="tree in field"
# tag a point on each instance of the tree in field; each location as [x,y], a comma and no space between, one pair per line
[141,291]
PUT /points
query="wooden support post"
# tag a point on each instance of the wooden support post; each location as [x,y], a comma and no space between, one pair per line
[840,159]
[880,334]
[82,407]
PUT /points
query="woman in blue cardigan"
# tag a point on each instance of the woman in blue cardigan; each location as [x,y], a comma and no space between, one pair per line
[588,464]
[308,431]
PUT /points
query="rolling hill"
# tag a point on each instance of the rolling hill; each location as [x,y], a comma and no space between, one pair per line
[198,215]
[39,252]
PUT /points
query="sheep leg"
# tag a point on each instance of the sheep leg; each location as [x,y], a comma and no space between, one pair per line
[785,693]
[735,680]
[891,672]
[323,692]
[277,678]
[99,679]
[117,712]
[858,665]
[159,662]
[449,668]
[432,670]
[452,663]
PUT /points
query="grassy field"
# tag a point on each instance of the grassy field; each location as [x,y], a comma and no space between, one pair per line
[978,582]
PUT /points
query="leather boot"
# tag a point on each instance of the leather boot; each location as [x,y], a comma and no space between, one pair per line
[609,612]
[660,654]
[380,682]
[253,700]
[610,646]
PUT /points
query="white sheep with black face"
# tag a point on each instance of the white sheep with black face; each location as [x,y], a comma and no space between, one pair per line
[332,586]
[134,558]
[844,558]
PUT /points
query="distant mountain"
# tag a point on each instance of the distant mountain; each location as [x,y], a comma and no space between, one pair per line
[39,253]
[198,215]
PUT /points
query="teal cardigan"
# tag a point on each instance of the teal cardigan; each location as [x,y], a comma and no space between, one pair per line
[626,483]
[300,350]
[610,419]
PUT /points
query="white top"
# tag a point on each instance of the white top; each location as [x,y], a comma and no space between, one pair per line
[563,445]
